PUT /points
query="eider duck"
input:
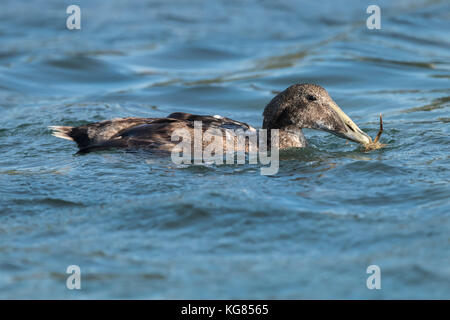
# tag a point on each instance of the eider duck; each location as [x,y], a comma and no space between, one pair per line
[299,106]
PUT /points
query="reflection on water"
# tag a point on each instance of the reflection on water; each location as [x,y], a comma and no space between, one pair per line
[141,227]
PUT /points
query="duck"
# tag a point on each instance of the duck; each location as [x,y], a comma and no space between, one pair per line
[300,106]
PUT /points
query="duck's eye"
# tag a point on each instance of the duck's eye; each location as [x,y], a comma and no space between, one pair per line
[311,97]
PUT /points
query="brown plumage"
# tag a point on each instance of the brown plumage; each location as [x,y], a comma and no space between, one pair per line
[299,106]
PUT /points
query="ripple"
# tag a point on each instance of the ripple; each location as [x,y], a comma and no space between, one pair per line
[53,202]
[438,103]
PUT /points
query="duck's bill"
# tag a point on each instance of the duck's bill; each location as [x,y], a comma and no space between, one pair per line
[356,136]
[350,131]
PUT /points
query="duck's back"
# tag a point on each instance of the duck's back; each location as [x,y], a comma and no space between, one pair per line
[144,133]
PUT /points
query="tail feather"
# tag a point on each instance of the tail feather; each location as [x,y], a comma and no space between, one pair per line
[62,132]
[98,134]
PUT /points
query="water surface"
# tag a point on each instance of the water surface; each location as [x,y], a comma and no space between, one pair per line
[141,227]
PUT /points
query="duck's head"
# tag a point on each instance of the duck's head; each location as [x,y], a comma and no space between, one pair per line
[310,106]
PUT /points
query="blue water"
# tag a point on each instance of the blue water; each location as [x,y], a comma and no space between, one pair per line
[141,227]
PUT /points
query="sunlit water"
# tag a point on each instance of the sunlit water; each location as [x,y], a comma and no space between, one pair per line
[141,227]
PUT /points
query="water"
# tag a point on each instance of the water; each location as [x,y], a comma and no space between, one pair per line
[141,227]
